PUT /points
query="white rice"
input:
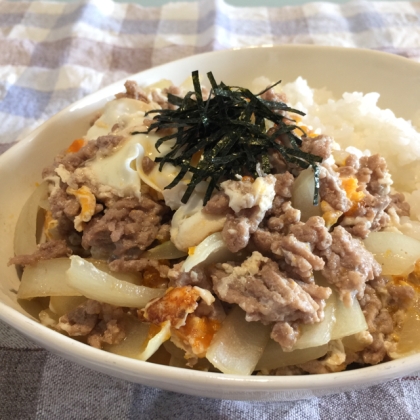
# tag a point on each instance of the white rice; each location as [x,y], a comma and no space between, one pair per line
[356,121]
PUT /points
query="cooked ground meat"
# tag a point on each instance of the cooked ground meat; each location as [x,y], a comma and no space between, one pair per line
[126,228]
[298,255]
[195,277]
[398,203]
[284,334]
[330,189]
[373,172]
[102,146]
[369,213]
[133,91]
[348,265]
[134,266]
[99,322]
[287,216]
[250,202]
[218,204]
[262,239]
[319,145]
[283,193]
[147,164]
[267,295]
[312,232]
[45,251]
[236,232]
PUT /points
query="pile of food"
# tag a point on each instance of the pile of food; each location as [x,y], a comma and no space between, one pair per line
[215,229]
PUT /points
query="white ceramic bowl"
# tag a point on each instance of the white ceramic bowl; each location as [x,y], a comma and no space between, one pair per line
[396,79]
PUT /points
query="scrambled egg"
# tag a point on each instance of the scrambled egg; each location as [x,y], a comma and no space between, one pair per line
[87,203]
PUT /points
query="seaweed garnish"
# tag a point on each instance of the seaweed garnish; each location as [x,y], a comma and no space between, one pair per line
[229,131]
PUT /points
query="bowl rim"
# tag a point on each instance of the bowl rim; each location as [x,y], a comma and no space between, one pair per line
[80,352]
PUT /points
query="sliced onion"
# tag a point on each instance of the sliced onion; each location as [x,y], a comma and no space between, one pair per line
[408,337]
[153,342]
[349,321]
[25,241]
[62,305]
[212,250]
[315,335]
[174,350]
[238,345]
[397,253]
[303,195]
[136,334]
[98,285]
[101,265]
[165,251]
[46,278]
[274,356]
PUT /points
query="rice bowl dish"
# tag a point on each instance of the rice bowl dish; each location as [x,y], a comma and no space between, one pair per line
[300,261]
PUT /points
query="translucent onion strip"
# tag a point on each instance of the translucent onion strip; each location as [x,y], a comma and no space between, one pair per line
[211,250]
[238,345]
[165,251]
[303,195]
[274,357]
[46,278]
[349,321]
[98,285]
[26,226]
[315,335]
[136,334]
[396,252]
[62,305]
[155,339]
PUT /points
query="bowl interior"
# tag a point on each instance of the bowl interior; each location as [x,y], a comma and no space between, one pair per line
[338,69]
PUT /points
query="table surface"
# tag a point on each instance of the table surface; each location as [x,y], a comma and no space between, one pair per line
[238,3]
[44,67]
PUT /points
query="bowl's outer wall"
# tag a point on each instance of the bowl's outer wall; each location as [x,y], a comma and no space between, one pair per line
[338,69]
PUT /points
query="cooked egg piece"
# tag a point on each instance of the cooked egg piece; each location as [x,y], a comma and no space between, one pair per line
[157,335]
[121,113]
[87,203]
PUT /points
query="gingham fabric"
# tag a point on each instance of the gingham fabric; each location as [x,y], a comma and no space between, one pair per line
[52,54]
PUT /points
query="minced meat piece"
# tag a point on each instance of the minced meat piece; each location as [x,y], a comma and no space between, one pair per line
[195,277]
[134,266]
[262,240]
[99,322]
[286,216]
[218,204]
[398,202]
[369,215]
[102,146]
[250,202]
[373,172]
[236,232]
[284,334]
[349,265]
[319,145]
[266,294]
[330,189]
[298,255]
[133,91]
[147,164]
[126,228]
[283,193]
[46,251]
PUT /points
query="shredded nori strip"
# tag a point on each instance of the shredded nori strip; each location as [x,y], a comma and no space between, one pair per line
[229,130]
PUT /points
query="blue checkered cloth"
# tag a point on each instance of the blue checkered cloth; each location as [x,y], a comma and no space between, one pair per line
[52,54]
